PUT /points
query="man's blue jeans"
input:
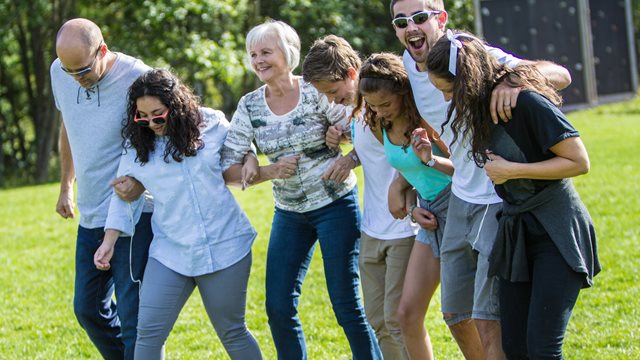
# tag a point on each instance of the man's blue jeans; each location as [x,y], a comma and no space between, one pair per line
[112,329]
[293,239]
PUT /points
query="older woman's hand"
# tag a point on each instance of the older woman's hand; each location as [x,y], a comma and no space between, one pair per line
[286,167]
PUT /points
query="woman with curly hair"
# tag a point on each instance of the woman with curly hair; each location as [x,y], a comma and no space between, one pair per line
[415,150]
[201,236]
[545,250]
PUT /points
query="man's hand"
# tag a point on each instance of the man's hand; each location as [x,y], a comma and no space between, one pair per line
[333,136]
[127,188]
[65,205]
[503,99]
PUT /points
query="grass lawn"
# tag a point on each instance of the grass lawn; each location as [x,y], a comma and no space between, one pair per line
[36,262]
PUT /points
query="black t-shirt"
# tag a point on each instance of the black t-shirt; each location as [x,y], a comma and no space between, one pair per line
[536,126]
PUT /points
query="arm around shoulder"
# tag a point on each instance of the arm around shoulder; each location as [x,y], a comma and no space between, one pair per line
[558,75]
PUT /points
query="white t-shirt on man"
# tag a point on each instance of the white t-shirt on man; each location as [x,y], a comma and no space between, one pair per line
[469,182]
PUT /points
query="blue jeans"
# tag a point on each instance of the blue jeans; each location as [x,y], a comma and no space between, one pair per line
[293,239]
[111,329]
[534,314]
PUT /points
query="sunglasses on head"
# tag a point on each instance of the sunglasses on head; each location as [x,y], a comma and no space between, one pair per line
[421,17]
[84,71]
[145,121]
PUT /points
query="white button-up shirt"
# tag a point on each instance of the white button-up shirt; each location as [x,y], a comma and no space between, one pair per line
[198,227]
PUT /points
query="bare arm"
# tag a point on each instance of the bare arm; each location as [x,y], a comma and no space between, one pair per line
[339,171]
[422,147]
[504,97]
[102,256]
[65,205]
[286,167]
[397,197]
[571,160]
[558,75]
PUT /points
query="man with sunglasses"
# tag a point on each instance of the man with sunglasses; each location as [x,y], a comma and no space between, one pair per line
[90,85]
[469,298]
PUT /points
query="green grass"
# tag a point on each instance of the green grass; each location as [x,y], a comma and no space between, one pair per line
[37,251]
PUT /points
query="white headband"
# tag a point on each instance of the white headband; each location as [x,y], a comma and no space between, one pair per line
[455,45]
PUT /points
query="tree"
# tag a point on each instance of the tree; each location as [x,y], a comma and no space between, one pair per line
[27,51]
[201,40]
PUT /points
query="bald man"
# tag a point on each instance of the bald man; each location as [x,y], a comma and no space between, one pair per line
[90,85]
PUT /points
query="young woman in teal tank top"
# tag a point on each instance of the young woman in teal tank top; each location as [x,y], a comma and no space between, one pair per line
[414,149]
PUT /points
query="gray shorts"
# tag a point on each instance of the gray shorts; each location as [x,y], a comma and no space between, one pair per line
[467,292]
[438,207]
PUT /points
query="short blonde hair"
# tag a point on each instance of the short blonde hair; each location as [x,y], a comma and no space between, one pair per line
[286,38]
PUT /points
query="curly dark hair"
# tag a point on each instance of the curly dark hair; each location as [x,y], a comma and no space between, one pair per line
[477,74]
[385,72]
[183,121]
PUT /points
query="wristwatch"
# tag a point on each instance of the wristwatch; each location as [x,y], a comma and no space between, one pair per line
[354,157]
[429,163]
[411,208]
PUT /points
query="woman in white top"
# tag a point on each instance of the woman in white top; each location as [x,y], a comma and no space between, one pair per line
[201,236]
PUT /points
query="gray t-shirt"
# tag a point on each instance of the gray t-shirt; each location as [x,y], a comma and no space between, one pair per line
[93,120]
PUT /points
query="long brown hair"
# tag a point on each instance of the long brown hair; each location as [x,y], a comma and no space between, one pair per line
[385,72]
[183,122]
[477,74]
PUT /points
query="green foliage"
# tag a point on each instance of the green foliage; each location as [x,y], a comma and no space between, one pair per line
[203,41]
[365,24]
[38,250]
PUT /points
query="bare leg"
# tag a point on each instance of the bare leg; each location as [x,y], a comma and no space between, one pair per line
[420,283]
[466,335]
[490,336]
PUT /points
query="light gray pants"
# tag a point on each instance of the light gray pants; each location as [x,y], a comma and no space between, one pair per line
[164,293]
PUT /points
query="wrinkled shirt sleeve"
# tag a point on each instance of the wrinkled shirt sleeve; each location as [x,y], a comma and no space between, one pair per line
[239,137]
[124,216]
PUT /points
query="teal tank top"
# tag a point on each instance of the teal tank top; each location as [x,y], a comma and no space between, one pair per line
[427,181]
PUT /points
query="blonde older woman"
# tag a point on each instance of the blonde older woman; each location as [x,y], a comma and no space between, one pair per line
[288,118]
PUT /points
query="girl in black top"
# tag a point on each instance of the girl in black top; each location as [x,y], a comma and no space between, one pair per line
[545,249]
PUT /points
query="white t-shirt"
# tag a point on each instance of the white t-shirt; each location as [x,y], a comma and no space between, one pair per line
[469,182]
[93,119]
[377,221]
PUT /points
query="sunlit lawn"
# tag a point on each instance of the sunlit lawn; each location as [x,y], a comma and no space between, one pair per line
[37,251]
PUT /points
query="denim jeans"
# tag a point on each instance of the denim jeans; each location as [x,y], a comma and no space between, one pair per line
[111,328]
[293,239]
[534,314]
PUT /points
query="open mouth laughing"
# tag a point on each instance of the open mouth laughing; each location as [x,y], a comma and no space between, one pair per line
[416,40]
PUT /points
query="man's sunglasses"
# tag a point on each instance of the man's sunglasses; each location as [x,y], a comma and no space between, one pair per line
[402,22]
[84,71]
[145,121]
